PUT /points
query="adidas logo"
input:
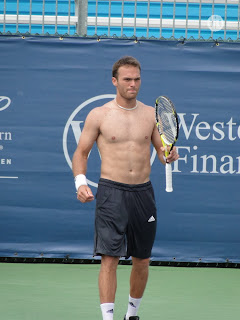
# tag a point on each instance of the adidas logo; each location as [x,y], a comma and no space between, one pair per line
[151,219]
[132,304]
[110,311]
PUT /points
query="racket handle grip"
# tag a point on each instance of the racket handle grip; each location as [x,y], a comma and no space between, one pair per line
[168,171]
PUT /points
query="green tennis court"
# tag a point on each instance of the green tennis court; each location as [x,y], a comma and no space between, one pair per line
[69,291]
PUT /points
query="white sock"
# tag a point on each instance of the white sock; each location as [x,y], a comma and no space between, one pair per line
[107,311]
[133,306]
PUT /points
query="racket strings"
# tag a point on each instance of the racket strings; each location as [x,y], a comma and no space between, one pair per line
[167,122]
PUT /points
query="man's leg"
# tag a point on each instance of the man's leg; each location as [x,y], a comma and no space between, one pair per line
[138,281]
[108,285]
[139,277]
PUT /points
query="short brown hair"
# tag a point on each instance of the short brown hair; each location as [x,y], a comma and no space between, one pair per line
[126,60]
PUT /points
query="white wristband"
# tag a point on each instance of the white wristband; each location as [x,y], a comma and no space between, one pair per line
[80,180]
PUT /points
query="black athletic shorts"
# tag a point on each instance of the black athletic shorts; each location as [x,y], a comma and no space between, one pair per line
[125,220]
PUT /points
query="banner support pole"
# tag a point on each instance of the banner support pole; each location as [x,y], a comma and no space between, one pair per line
[81,12]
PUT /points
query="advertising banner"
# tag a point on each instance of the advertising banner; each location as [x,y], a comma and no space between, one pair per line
[47,88]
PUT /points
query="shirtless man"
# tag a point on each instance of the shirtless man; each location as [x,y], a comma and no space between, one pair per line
[125,222]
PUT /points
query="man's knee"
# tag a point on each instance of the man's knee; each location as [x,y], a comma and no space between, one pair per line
[109,263]
[140,262]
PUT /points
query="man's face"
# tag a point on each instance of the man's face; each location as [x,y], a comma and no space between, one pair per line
[128,82]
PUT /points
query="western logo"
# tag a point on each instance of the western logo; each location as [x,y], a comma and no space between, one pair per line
[193,158]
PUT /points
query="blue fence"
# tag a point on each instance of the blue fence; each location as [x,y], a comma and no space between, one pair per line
[158,19]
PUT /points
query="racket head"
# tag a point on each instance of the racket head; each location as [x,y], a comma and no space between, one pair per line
[166,120]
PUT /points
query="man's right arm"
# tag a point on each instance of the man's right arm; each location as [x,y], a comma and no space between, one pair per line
[88,136]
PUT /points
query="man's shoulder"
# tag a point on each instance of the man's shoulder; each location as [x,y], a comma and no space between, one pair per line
[100,110]
[146,106]
[148,113]
[148,109]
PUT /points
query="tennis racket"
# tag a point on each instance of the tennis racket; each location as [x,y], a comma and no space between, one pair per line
[167,124]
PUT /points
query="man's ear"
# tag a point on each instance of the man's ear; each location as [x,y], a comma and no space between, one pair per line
[114,81]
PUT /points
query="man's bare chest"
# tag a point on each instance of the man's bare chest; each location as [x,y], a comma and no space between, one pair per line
[127,128]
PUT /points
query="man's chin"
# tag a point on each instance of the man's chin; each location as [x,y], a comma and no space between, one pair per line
[132,95]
